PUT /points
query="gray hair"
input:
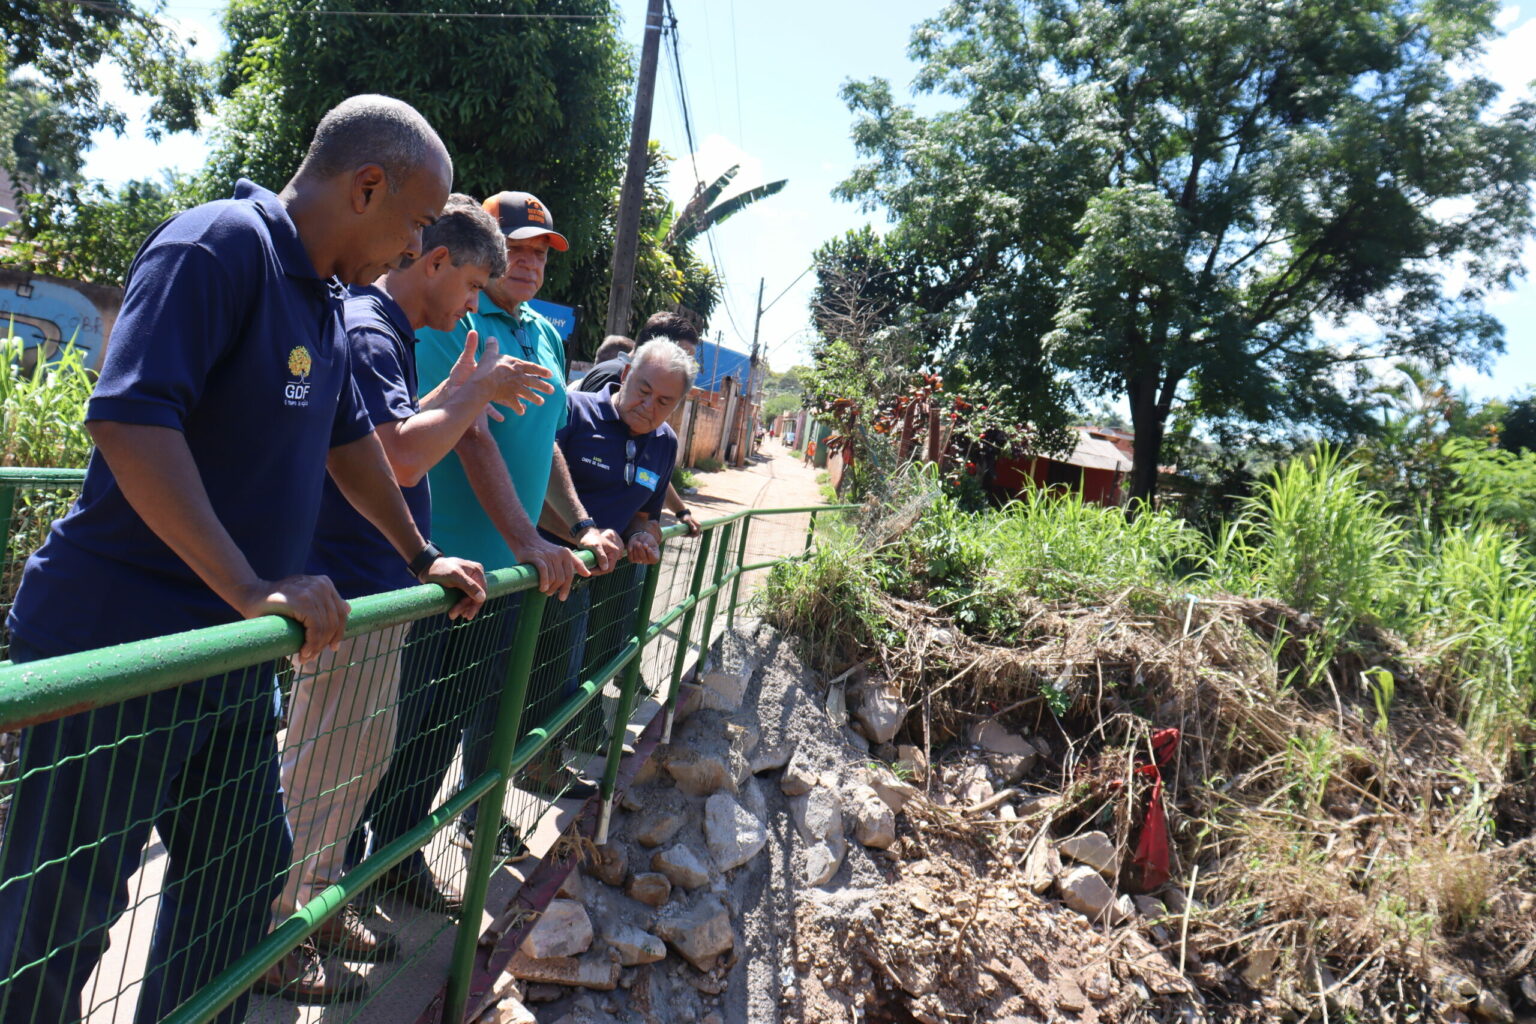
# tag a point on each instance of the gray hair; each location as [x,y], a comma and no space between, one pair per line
[372,129]
[668,356]
[468,233]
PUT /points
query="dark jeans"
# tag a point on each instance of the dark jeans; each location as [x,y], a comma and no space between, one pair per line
[198,763]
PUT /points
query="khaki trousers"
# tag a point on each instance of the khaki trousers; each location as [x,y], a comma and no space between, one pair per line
[341,733]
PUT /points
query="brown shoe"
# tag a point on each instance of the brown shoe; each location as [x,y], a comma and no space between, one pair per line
[414,885]
[347,937]
[301,977]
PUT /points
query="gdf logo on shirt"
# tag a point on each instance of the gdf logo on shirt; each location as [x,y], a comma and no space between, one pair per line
[296,392]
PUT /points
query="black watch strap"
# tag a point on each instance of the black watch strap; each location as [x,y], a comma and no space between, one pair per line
[581,526]
[422,562]
[684,512]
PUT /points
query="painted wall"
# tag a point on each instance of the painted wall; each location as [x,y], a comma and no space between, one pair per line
[48,313]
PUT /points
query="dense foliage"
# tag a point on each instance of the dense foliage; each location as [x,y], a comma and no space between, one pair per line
[1165,200]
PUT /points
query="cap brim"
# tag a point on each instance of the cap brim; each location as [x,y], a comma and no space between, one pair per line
[556,239]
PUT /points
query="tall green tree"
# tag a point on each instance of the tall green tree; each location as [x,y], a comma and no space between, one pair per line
[536,103]
[64,40]
[1190,203]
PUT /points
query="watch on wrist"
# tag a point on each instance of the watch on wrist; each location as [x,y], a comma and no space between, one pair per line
[423,561]
[581,526]
[684,512]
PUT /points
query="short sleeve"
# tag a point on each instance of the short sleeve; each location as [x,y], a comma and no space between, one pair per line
[380,373]
[352,422]
[567,422]
[181,313]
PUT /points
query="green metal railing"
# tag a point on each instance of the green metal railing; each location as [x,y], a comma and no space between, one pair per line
[538,708]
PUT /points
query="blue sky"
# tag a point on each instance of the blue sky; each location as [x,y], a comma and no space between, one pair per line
[762,82]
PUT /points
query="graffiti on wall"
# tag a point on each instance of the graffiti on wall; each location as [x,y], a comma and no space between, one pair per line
[49,314]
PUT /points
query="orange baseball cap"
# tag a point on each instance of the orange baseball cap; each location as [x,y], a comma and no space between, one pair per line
[521,215]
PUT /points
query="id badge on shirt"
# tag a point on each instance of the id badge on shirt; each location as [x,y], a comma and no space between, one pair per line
[647,477]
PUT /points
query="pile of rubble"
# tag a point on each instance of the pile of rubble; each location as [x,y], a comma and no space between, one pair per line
[780,860]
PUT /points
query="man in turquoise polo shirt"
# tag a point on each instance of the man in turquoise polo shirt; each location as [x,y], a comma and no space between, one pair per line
[486,500]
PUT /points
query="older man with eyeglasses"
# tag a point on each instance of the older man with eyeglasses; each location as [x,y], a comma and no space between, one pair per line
[621,453]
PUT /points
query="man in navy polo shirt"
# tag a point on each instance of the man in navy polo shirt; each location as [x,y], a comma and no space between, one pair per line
[341,722]
[621,451]
[224,400]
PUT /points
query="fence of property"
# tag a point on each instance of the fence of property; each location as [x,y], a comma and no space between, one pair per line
[186,811]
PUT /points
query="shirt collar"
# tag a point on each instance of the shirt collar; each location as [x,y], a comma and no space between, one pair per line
[489,308]
[391,308]
[280,227]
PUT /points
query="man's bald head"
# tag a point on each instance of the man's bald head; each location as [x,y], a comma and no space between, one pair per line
[371,129]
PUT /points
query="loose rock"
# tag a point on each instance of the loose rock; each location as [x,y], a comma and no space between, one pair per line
[723,691]
[635,946]
[1009,753]
[681,865]
[822,859]
[818,814]
[873,823]
[894,791]
[587,972]
[650,887]
[564,930]
[659,830]
[734,835]
[881,711]
[610,864]
[699,933]
[1093,849]
[798,777]
[1085,891]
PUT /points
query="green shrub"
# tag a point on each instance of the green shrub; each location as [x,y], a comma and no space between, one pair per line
[708,465]
[42,408]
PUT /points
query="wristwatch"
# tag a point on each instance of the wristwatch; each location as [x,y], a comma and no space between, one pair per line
[684,512]
[581,526]
[422,562]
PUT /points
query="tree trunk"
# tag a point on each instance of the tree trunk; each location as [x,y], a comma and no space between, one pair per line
[1147,420]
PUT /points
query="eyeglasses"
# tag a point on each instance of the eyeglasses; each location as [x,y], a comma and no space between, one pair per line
[629,462]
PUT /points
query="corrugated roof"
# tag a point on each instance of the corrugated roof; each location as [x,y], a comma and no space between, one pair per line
[1092,453]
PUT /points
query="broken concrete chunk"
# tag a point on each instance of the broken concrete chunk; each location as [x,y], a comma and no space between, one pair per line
[733,833]
[699,933]
[818,814]
[635,946]
[681,865]
[1093,849]
[650,887]
[659,829]
[723,691]
[873,823]
[822,859]
[586,972]
[799,776]
[563,930]
[772,757]
[1085,891]
[1009,754]
[894,791]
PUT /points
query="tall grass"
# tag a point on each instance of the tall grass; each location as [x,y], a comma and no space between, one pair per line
[1313,537]
[42,407]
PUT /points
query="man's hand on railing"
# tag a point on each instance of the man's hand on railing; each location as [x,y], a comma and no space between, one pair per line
[557,565]
[606,546]
[311,601]
[643,549]
[467,577]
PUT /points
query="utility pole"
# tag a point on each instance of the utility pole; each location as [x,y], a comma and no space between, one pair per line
[621,291]
[745,444]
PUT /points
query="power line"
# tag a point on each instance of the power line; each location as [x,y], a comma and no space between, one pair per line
[495,15]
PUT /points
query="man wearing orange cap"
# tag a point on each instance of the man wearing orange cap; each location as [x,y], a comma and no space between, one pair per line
[485,502]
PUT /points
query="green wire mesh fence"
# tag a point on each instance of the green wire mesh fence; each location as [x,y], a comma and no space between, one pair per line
[189,811]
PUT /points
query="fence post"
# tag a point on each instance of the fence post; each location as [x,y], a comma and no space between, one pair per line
[741,560]
[686,630]
[810,532]
[627,692]
[7,511]
[514,691]
[707,637]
